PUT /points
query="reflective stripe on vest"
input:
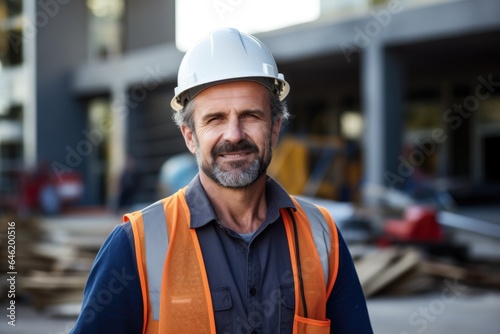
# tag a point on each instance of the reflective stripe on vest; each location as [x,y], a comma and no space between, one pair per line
[320,231]
[155,245]
[156,242]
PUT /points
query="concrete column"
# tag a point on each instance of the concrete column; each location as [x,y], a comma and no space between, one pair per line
[382,100]
[30,109]
[372,93]
[118,140]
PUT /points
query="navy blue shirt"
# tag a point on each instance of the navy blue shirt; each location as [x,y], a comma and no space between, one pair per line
[251,282]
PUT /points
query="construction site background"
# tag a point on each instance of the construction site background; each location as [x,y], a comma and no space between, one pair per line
[395,130]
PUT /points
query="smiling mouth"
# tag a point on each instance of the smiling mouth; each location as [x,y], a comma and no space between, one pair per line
[234,151]
[234,155]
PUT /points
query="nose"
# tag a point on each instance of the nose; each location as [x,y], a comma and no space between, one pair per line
[234,131]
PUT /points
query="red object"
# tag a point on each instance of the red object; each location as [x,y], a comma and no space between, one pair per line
[418,225]
[69,187]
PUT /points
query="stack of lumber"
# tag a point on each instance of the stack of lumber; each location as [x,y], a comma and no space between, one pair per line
[54,256]
[26,231]
[404,270]
[26,260]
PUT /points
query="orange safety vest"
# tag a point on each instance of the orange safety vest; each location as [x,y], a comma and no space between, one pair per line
[174,283]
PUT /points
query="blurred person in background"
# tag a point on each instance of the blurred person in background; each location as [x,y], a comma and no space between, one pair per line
[130,180]
[232,252]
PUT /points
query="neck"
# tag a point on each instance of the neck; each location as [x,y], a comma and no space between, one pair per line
[241,210]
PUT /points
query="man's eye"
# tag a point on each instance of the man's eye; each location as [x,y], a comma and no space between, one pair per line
[214,119]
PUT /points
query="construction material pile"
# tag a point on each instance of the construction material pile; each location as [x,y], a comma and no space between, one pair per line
[418,253]
[406,270]
[54,256]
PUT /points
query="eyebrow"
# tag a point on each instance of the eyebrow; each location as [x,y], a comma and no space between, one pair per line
[223,113]
[212,114]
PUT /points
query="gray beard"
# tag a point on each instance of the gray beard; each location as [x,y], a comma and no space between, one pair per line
[237,177]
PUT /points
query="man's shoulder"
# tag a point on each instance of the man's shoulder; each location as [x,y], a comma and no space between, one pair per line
[120,238]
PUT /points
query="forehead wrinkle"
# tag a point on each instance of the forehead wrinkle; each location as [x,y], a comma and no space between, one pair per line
[239,97]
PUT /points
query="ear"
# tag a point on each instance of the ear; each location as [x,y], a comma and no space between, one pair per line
[189,139]
[276,132]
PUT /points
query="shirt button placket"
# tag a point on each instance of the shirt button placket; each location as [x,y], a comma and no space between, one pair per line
[253,283]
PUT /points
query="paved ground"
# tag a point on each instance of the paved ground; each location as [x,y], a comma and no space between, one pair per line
[454,309]
[437,313]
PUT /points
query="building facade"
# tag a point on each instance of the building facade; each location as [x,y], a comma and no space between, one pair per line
[412,87]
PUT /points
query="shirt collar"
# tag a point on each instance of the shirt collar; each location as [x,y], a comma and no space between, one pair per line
[202,212]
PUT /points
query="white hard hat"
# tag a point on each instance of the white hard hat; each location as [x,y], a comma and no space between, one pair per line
[226,55]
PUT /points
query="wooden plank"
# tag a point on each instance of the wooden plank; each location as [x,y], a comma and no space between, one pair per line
[64,310]
[391,272]
[473,274]
[442,269]
[412,282]
[47,281]
[371,264]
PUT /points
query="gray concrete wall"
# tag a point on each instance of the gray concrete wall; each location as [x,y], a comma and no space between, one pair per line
[376,56]
[146,27]
[61,38]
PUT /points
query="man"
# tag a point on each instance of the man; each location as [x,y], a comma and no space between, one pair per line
[232,252]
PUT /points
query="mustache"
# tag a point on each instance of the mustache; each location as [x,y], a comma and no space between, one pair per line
[227,147]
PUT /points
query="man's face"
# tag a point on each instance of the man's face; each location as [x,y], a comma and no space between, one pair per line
[233,134]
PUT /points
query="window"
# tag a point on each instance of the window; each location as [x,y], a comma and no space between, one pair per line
[105,28]
[99,121]
[11,36]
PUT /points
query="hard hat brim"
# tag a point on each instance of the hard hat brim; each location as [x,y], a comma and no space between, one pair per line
[279,87]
